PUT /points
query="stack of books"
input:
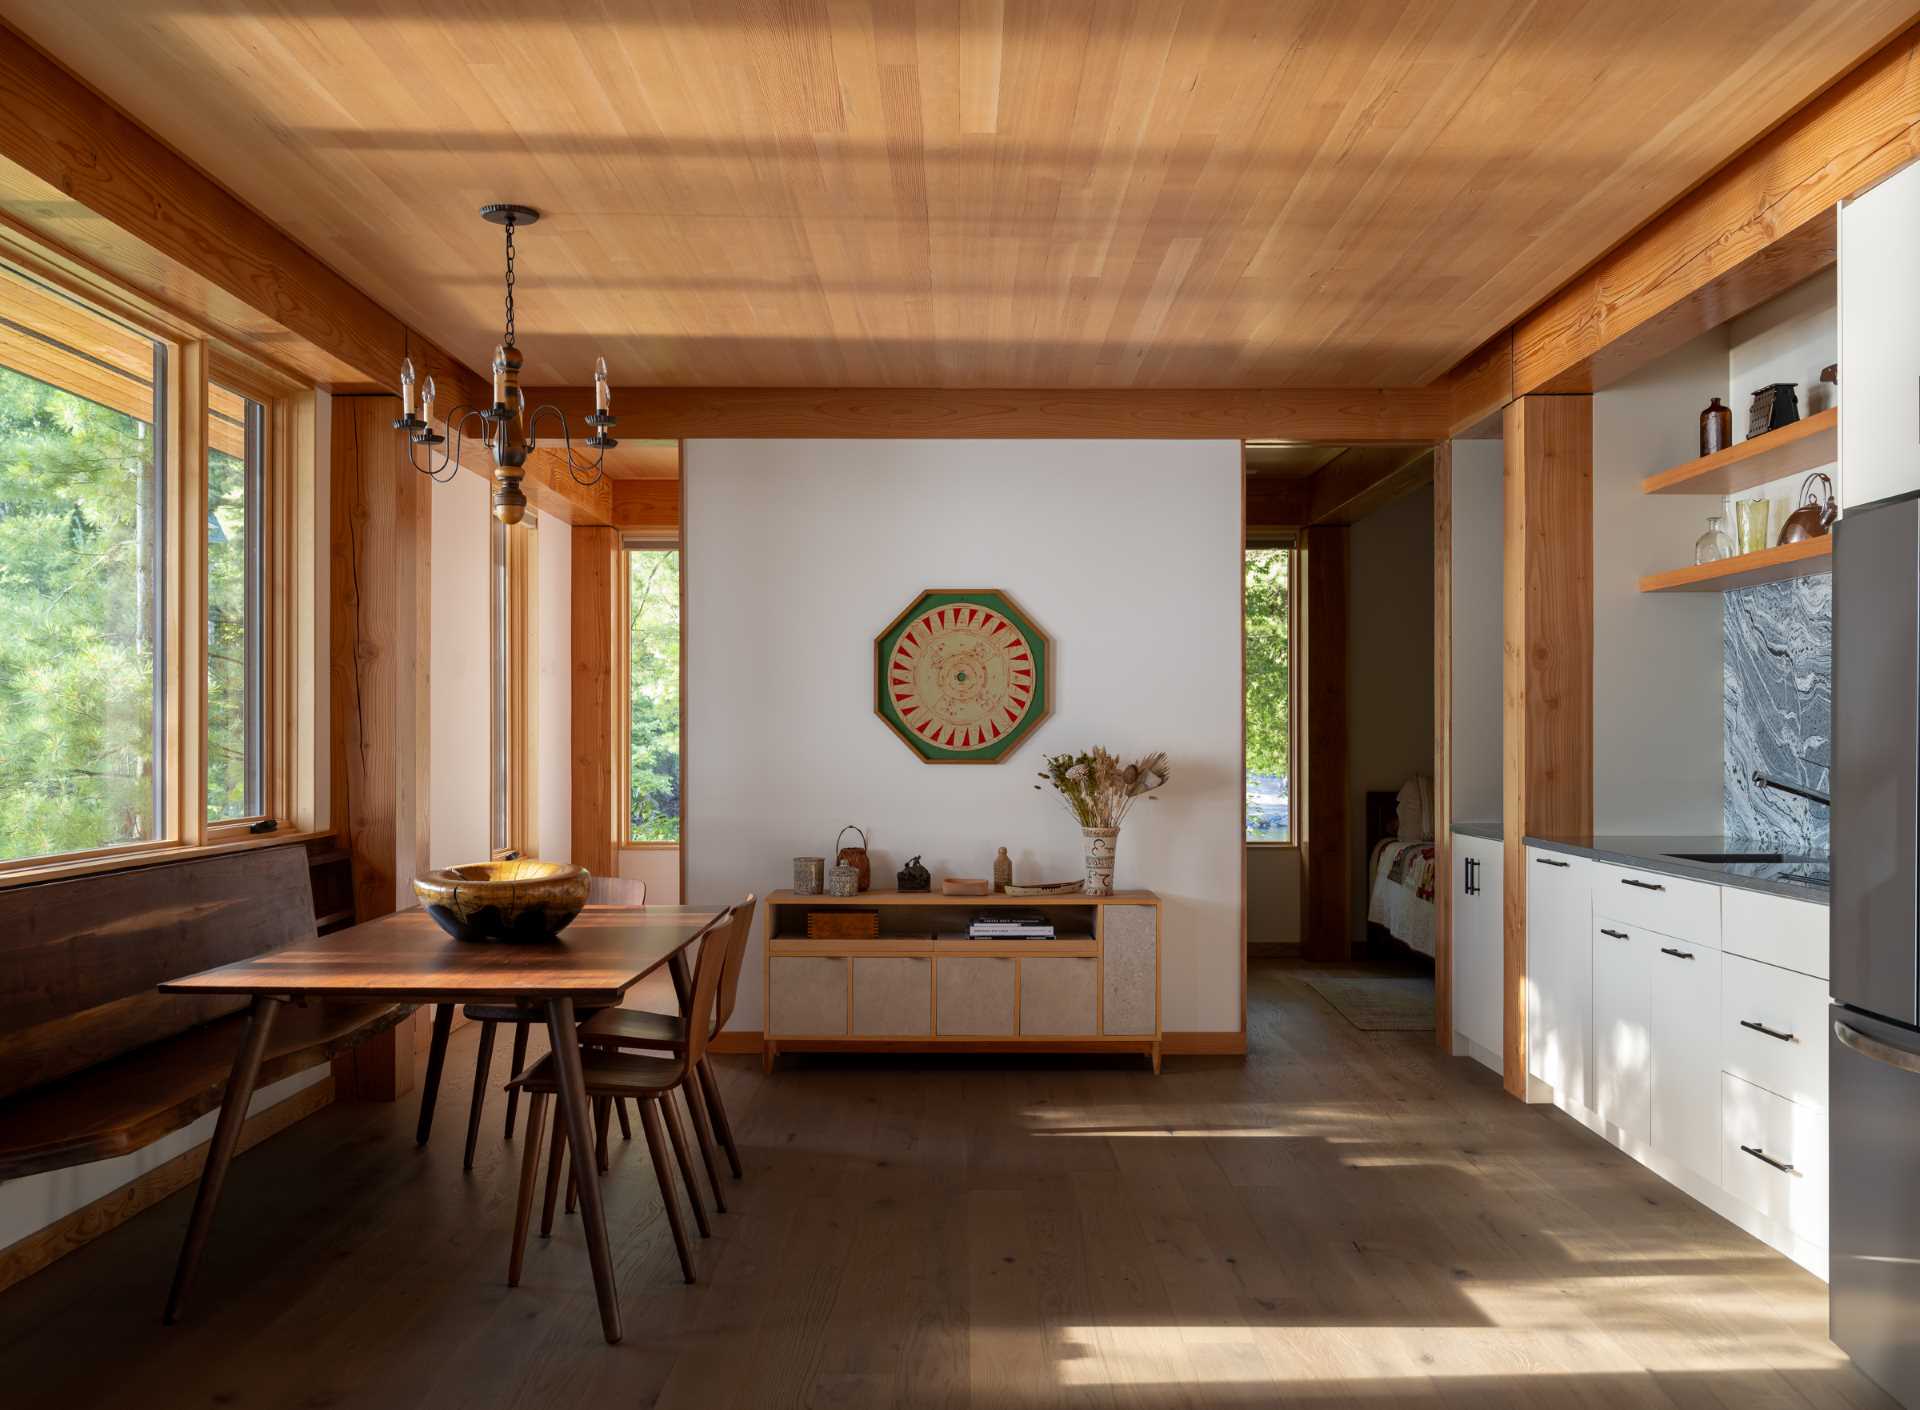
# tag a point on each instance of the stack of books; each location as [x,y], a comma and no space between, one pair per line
[1010,925]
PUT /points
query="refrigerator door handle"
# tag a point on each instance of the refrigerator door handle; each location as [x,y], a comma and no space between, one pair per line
[1856,1041]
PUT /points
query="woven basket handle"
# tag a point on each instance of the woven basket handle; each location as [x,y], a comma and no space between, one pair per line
[843,832]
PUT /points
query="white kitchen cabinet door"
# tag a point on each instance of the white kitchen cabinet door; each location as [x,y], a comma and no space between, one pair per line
[1479,957]
[1686,1053]
[1880,341]
[1623,1028]
[1560,974]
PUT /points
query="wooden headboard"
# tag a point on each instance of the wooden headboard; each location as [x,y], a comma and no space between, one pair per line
[1383,817]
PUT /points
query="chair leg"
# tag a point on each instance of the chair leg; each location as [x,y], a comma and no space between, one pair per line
[529,1174]
[650,1125]
[703,1133]
[553,1177]
[679,1139]
[602,1119]
[436,1059]
[620,1110]
[710,1089]
[519,1066]
[482,1074]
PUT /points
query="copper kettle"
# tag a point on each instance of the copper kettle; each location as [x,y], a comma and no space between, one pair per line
[1814,517]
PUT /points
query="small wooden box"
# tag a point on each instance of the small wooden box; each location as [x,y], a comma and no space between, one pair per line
[843,925]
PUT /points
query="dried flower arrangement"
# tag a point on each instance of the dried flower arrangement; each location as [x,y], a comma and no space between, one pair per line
[1098,789]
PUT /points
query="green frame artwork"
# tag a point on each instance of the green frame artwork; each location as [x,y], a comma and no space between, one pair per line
[962,675]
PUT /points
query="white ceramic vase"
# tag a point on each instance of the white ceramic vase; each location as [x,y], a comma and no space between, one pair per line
[1101,842]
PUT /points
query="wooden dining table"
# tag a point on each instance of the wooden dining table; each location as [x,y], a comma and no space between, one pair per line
[406,958]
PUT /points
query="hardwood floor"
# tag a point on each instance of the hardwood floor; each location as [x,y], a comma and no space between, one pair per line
[1348,1218]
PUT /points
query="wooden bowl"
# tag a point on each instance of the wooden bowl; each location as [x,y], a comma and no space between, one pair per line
[520,902]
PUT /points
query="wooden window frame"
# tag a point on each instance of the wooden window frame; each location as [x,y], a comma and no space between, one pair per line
[1291,543]
[514,736]
[623,724]
[290,663]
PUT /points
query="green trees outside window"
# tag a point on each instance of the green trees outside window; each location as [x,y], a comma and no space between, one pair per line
[1269,617]
[653,694]
[233,555]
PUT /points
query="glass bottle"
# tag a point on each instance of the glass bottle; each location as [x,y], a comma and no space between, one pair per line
[1714,544]
[1716,427]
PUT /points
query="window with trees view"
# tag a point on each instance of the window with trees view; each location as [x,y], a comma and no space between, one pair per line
[82,577]
[653,694]
[236,457]
[1269,625]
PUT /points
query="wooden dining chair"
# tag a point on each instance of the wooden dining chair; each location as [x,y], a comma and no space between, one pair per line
[648,1029]
[649,1082]
[601,891]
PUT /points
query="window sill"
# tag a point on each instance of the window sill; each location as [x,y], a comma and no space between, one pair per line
[648,846]
[27,873]
[1264,842]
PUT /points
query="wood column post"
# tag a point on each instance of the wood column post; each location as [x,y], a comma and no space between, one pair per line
[1548,673]
[596,619]
[1326,874]
[1443,745]
[381,550]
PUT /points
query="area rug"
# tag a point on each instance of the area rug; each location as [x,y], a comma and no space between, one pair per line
[1378,1003]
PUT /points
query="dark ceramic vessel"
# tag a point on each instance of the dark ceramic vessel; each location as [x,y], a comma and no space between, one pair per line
[520,902]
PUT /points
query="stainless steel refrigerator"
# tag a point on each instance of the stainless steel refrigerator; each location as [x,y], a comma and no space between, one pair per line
[1874,1038]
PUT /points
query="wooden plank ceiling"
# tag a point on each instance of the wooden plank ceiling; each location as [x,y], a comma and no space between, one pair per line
[987,193]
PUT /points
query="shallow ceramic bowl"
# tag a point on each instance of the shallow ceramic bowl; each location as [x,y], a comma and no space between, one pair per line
[522,901]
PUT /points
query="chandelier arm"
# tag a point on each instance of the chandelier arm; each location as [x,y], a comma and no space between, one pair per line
[592,471]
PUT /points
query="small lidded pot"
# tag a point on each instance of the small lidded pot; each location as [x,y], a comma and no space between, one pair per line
[843,879]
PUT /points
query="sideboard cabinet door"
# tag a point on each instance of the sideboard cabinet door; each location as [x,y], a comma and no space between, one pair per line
[1130,936]
[974,996]
[807,997]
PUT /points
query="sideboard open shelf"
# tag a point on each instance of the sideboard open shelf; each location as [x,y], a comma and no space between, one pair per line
[923,985]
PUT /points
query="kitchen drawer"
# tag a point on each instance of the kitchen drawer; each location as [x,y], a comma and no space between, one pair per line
[1686,910]
[1788,1058]
[1761,1132]
[1774,930]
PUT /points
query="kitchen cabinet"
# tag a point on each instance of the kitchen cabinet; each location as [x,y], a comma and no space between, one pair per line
[1623,1028]
[1686,1052]
[1560,974]
[1479,949]
[1880,341]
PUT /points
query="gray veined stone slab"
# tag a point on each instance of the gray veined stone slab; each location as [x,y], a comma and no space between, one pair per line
[1778,710]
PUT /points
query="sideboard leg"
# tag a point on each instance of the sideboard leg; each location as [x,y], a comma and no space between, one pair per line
[768,1052]
[1156,1059]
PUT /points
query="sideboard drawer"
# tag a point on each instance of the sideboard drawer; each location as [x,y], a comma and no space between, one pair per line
[1130,983]
[1057,997]
[1670,905]
[973,996]
[892,996]
[807,996]
[1773,1029]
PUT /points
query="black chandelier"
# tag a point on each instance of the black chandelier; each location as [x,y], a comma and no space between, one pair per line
[505,428]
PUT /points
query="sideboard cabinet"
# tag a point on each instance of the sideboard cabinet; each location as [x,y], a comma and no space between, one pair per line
[922,983]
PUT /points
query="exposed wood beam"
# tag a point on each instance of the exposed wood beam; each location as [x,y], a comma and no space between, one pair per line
[1365,479]
[651,505]
[87,182]
[1335,416]
[1278,501]
[1547,764]
[1481,383]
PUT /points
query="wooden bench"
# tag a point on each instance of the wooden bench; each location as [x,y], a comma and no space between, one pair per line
[93,1062]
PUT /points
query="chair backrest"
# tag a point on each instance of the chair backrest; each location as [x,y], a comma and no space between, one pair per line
[80,958]
[706,988]
[735,961]
[615,891]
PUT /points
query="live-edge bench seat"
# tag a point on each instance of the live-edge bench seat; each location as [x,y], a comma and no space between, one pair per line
[93,1062]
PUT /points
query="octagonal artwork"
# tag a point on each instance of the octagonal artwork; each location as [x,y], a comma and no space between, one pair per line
[961,675]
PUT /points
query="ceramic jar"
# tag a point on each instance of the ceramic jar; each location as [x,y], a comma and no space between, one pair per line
[1101,842]
[809,875]
[843,879]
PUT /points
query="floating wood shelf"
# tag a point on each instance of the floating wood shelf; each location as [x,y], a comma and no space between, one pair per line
[1807,444]
[1769,565]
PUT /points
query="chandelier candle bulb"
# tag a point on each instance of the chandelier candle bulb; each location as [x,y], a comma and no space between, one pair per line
[406,387]
[426,401]
[600,386]
[500,375]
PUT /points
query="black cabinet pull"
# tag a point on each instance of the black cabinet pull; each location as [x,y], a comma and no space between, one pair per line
[1677,954]
[1782,1166]
[1550,862]
[1616,934]
[1643,885]
[1770,1032]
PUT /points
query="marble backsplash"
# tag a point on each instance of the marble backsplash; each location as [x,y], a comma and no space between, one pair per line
[1778,710]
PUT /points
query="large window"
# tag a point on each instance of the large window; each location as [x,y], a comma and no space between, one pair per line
[1270,752]
[83,597]
[653,694]
[236,460]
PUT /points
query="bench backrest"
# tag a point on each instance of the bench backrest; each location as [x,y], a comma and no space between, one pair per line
[79,958]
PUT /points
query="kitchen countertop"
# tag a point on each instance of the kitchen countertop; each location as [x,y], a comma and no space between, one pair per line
[1799,878]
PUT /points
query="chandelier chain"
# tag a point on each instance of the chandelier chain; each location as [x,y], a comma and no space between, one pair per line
[509,337]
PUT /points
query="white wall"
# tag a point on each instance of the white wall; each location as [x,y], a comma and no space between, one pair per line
[659,867]
[1128,553]
[552,762]
[1389,665]
[1479,645]
[1786,339]
[1656,656]
[458,680]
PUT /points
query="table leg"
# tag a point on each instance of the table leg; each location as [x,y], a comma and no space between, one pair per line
[436,1059]
[226,1139]
[572,1082]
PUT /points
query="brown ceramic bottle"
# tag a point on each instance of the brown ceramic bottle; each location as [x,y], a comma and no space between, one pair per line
[1716,427]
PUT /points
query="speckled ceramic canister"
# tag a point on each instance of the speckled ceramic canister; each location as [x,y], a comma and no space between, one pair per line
[1101,842]
[809,875]
[843,879]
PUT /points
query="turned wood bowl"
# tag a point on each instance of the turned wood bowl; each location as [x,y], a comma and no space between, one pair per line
[521,902]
